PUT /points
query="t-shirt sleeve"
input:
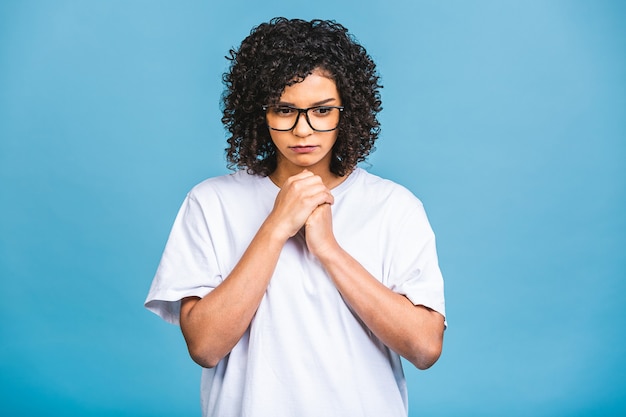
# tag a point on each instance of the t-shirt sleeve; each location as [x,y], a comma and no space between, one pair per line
[188,265]
[415,271]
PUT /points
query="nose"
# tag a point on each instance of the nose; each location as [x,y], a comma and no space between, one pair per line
[302,127]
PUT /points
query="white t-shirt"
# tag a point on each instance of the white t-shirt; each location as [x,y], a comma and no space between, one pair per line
[305,352]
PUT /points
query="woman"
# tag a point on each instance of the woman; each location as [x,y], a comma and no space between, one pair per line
[299,280]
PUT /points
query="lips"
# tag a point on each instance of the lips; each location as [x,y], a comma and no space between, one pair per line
[303,149]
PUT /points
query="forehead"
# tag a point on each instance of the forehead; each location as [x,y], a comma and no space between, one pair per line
[316,87]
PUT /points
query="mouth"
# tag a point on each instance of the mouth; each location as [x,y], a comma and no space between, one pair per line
[303,149]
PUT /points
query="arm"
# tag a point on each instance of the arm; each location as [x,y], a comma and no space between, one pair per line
[214,324]
[415,332]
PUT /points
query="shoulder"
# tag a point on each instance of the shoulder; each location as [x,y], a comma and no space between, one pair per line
[382,189]
[235,183]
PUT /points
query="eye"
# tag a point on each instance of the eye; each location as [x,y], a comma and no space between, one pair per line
[283,111]
[322,111]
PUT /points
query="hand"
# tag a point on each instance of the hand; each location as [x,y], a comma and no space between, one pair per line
[319,235]
[299,196]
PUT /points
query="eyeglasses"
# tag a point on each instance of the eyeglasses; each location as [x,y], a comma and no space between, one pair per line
[320,118]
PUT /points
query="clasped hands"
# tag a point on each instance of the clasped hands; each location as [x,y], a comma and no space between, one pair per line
[304,201]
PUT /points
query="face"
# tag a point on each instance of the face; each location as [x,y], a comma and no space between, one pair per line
[302,147]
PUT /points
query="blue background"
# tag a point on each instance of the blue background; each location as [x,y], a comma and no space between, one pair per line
[507,118]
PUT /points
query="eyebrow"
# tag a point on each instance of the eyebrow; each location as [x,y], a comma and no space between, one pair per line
[318,103]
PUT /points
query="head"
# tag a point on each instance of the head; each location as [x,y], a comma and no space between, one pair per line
[284,52]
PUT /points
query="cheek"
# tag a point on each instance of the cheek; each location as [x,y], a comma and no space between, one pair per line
[277,139]
[335,140]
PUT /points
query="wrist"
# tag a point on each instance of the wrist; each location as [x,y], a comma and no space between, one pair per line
[329,253]
[275,231]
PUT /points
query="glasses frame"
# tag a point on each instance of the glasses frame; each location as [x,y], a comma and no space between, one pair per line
[306,116]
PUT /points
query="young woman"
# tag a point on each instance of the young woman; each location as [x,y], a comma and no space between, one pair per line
[299,280]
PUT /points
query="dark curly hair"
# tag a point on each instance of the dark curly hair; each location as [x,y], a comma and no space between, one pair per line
[283,52]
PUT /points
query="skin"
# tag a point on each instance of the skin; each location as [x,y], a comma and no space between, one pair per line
[293,147]
[213,325]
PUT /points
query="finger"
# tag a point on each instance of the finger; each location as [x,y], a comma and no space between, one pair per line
[330,198]
[320,198]
[305,187]
[302,175]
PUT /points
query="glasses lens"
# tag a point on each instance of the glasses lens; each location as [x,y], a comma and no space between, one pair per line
[320,118]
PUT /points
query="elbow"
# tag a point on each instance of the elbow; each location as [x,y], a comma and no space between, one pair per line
[425,356]
[204,358]
[424,361]
[425,347]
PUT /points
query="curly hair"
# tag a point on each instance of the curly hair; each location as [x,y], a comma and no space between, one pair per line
[281,53]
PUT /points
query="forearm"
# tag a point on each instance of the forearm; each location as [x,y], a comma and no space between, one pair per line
[213,325]
[414,332]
